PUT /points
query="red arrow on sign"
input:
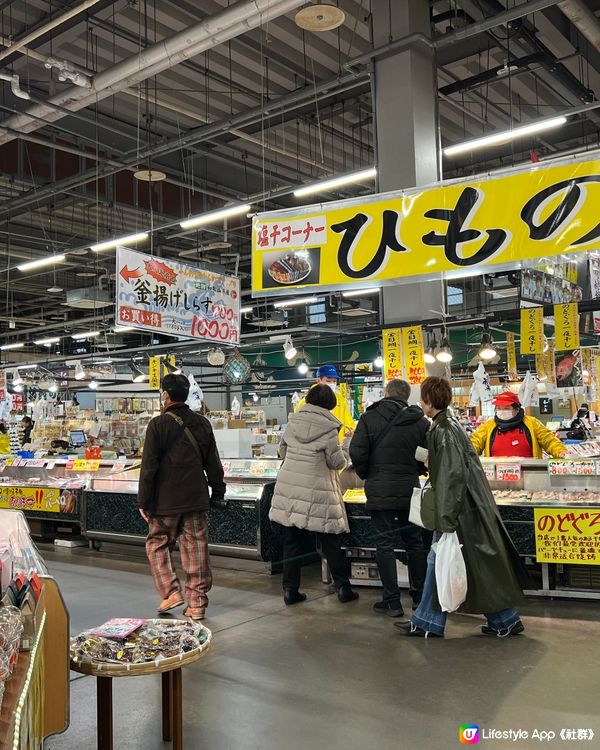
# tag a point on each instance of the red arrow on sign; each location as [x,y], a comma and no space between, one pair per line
[128,275]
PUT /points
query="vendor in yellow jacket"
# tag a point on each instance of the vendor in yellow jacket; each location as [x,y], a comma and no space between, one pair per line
[328,375]
[512,434]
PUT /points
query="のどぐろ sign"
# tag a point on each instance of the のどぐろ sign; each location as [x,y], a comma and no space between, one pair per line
[165,296]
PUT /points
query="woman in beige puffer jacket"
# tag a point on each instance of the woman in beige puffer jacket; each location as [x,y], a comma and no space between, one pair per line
[307,495]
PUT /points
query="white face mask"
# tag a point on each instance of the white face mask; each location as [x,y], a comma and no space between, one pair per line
[333,386]
[504,414]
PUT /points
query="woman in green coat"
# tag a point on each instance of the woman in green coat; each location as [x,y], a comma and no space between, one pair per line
[461,501]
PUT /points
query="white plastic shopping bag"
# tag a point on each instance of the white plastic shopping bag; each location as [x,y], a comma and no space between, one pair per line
[450,572]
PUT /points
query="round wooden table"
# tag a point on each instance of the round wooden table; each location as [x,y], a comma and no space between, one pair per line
[169,669]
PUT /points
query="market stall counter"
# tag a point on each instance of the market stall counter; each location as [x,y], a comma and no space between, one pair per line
[243,530]
[551,509]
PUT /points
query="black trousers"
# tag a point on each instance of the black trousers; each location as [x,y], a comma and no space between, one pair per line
[390,526]
[328,546]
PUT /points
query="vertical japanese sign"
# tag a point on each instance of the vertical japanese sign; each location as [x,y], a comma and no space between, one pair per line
[511,356]
[2,385]
[550,364]
[566,327]
[154,373]
[392,354]
[570,536]
[532,330]
[595,288]
[166,296]
[586,365]
[414,362]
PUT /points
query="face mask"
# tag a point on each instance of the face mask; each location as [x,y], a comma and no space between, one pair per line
[504,414]
[333,386]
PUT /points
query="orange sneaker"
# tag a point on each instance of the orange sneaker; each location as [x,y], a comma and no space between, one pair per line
[171,602]
[194,613]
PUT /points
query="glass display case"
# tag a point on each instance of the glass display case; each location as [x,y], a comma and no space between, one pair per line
[243,530]
[551,509]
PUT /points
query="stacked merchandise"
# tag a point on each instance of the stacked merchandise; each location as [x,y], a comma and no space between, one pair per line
[11,629]
[137,642]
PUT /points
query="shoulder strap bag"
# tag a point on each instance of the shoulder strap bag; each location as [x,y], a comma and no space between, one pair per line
[214,504]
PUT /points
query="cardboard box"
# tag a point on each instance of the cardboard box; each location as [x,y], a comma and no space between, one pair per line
[236,424]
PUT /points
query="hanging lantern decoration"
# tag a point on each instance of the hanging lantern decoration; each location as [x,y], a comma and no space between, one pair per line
[236,369]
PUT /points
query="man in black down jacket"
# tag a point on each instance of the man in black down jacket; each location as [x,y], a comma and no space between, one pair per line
[173,497]
[383,453]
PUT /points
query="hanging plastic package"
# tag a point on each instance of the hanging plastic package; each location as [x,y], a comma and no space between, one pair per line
[528,392]
[482,385]
[194,399]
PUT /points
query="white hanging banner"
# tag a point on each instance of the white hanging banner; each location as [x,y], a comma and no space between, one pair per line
[165,296]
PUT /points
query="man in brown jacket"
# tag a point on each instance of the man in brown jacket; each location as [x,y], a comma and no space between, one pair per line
[179,463]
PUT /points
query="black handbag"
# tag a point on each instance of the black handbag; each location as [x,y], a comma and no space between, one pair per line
[215,504]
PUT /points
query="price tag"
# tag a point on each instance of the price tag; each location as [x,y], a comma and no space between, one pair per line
[572,468]
[508,472]
[81,464]
[38,463]
[490,472]
[118,468]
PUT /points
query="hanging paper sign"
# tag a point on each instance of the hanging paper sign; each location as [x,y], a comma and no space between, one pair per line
[566,327]
[165,296]
[154,373]
[508,472]
[414,362]
[392,354]
[550,365]
[30,498]
[490,472]
[532,330]
[567,536]
[402,235]
[511,356]
[2,385]
[572,468]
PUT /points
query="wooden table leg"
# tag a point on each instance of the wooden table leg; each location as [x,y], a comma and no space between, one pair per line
[167,706]
[104,712]
[177,710]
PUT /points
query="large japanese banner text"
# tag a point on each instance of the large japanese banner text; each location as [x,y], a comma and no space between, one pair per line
[166,296]
[454,227]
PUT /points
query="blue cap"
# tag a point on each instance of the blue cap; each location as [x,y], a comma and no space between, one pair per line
[327,371]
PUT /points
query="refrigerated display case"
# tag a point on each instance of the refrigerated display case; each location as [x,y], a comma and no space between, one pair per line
[243,530]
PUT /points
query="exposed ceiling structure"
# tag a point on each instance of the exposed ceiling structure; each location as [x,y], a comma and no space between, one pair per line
[232,101]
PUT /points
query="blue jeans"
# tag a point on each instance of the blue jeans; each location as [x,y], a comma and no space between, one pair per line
[432,621]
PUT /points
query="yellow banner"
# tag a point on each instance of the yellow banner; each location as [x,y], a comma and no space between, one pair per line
[82,464]
[452,227]
[564,535]
[392,354]
[171,360]
[532,330]
[550,363]
[566,327]
[46,499]
[511,356]
[586,365]
[414,362]
[154,372]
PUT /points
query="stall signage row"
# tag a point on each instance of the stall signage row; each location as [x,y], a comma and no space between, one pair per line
[165,296]
[574,468]
[31,498]
[82,464]
[567,536]
[451,227]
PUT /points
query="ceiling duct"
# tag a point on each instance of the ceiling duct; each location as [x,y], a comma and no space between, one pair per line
[212,31]
[88,298]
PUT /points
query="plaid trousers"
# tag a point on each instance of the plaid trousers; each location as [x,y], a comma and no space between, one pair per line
[190,530]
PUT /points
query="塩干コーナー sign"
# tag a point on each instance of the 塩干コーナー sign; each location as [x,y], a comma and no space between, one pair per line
[460,226]
[165,296]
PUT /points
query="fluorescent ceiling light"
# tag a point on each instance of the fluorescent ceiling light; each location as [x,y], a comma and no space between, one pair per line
[347,179]
[48,261]
[28,367]
[208,218]
[88,335]
[47,342]
[123,329]
[362,292]
[130,239]
[244,310]
[6,347]
[506,135]
[296,302]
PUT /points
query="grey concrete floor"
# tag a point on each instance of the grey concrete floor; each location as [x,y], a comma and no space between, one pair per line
[326,675]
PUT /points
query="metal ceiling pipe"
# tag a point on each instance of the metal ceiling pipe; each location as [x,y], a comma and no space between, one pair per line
[217,29]
[31,37]
[583,19]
